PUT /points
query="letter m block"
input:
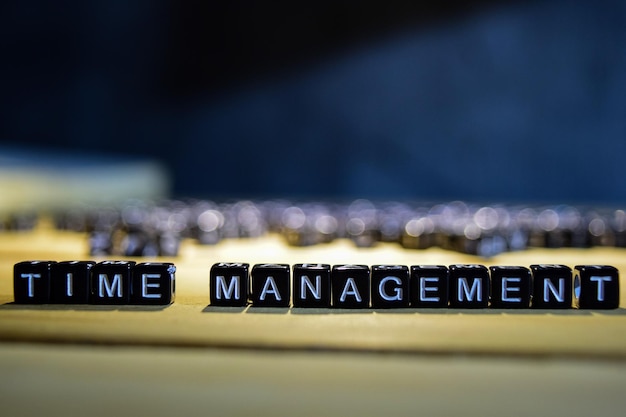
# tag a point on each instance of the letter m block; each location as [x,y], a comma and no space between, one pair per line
[228,284]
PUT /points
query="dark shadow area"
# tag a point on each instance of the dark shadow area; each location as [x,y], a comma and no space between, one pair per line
[83,307]
[231,310]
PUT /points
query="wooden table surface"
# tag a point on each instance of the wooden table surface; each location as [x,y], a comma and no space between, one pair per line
[191,357]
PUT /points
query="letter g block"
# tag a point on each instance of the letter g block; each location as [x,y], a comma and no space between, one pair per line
[390,286]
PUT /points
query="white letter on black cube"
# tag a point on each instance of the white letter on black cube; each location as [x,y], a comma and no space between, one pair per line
[552,286]
[350,286]
[596,286]
[228,284]
[390,286]
[153,283]
[31,282]
[429,286]
[469,286]
[69,282]
[271,285]
[110,282]
[510,287]
[311,285]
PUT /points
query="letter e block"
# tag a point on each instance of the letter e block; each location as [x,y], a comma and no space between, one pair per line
[429,286]
[31,282]
[271,285]
[510,287]
[153,283]
[110,282]
[596,287]
[469,286]
[311,285]
[228,284]
[69,282]
[350,286]
[552,286]
[390,286]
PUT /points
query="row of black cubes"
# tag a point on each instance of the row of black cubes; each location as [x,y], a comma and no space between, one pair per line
[146,229]
[420,286]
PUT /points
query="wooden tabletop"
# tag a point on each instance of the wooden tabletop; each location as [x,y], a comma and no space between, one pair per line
[237,361]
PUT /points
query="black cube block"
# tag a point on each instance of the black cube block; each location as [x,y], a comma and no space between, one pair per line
[228,284]
[596,287]
[271,285]
[311,285]
[110,282]
[552,286]
[510,287]
[429,286]
[469,286]
[390,286]
[31,282]
[153,283]
[350,286]
[69,282]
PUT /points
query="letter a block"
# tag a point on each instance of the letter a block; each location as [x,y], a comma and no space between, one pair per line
[552,286]
[31,282]
[390,286]
[271,285]
[153,283]
[110,282]
[311,285]
[596,287]
[228,284]
[69,282]
[469,286]
[350,286]
[510,287]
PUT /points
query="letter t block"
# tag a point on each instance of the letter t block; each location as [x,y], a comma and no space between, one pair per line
[596,286]
[31,282]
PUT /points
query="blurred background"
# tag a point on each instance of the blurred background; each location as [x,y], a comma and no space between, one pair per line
[481,100]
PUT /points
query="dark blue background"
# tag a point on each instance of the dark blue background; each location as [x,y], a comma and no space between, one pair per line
[486,101]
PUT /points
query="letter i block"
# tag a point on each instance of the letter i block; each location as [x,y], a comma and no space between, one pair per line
[153,283]
[510,287]
[552,286]
[311,285]
[69,282]
[469,286]
[271,285]
[596,287]
[31,282]
[429,286]
[228,284]
[350,286]
[390,286]
[110,282]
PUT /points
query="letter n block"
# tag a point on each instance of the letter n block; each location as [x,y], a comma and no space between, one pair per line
[110,282]
[350,286]
[469,286]
[390,286]
[311,285]
[552,286]
[510,287]
[271,285]
[153,283]
[228,284]
[31,282]
[596,286]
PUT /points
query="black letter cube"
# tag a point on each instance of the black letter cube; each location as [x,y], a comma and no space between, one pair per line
[69,282]
[350,286]
[110,282]
[596,286]
[228,284]
[552,286]
[429,286]
[31,282]
[469,286]
[271,285]
[510,287]
[311,285]
[153,283]
[390,286]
